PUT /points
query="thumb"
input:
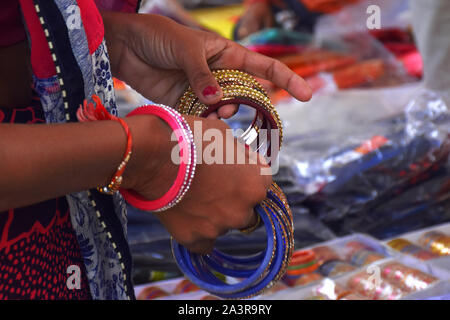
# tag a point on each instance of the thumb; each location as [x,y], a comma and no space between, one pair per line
[202,81]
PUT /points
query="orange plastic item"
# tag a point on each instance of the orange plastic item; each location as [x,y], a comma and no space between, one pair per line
[358,74]
[312,62]
[302,257]
[119,84]
[308,278]
[327,6]
[151,293]
[185,286]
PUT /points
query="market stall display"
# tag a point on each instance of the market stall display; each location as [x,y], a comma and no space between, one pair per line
[391,277]
[364,164]
[420,243]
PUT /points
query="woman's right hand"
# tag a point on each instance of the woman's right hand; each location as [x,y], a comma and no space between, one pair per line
[222,196]
[256,17]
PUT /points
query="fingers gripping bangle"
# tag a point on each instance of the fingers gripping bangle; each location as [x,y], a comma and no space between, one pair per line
[91,112]
[261,271]
[241,88]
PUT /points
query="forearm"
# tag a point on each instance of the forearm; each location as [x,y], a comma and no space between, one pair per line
[39,162]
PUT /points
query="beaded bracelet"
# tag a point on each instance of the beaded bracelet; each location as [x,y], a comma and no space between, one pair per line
[258,272]
[186,169]
[90,112]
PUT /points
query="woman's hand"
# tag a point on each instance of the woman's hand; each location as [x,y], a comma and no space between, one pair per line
[221,197]
[160,58]
[256,17]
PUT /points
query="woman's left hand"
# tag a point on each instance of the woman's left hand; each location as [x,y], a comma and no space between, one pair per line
[159,58]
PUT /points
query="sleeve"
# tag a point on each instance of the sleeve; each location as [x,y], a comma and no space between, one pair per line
[118,5]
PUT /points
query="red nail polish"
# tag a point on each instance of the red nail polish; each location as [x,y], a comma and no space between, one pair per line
[209,91]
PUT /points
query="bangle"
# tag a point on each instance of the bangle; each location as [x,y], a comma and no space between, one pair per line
[89,112]
[186,169]
[252,228]
[241,88]
[258,272]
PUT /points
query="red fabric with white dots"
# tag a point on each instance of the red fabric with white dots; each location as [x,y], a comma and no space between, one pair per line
[37,243]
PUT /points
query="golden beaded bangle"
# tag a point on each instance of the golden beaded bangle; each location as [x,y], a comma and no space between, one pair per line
[237,87]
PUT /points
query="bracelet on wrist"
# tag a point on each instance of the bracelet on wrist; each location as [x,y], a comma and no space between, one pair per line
[187,163]
[91,112]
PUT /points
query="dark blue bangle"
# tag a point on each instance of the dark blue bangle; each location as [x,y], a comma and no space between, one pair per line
[267,277]
[259,271]
[184,260]
[254,259]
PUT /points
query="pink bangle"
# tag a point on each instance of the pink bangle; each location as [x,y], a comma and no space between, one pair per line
[186,169]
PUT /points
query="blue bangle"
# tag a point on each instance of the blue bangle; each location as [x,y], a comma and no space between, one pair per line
[257,287]
[254,259]
[227,269]
[269,279]
[187,268]
[259,270]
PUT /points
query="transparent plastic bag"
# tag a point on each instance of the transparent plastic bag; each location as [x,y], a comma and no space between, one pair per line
[379,172]
[353,19]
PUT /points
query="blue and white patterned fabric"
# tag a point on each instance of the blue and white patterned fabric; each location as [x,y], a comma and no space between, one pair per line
[104,265]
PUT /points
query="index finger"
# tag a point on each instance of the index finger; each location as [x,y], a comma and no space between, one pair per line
[238,57]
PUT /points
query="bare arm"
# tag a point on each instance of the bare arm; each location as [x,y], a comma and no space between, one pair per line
[39,162]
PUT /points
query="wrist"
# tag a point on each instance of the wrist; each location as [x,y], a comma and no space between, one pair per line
[150,167]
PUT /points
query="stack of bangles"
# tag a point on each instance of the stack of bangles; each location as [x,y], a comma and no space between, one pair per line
[437,242]
[410,248]
[302,262]
[242,89]
[188,154]
[257,272]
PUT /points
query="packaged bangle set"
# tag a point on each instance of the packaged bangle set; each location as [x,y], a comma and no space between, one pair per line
[356,267]
[359,267]
[427,245]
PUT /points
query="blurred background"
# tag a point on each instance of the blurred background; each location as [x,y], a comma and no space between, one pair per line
[367,157]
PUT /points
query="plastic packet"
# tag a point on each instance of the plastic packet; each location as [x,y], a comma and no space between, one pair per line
[354,18]
[359,170]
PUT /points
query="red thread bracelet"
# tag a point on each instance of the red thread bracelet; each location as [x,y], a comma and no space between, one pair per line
[91,112]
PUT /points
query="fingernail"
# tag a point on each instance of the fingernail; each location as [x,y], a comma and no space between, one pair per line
[210,91]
